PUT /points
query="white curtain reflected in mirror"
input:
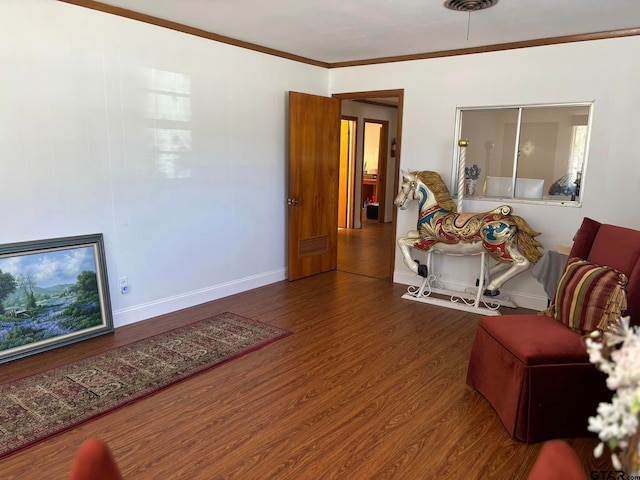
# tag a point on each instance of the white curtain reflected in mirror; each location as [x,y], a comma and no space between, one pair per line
[372,133]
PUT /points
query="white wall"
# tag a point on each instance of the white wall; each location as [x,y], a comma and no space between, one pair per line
[434,88]
[79,152]
[79,146]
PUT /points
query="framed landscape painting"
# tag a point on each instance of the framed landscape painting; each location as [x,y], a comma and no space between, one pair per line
[52,293]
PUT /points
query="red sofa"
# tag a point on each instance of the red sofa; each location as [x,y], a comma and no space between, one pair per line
[94,461]
[557,461]
[533,369]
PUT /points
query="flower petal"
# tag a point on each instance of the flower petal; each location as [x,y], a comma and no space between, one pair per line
[616,462]
[597,452]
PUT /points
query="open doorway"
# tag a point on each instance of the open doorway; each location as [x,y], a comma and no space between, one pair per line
[370,137]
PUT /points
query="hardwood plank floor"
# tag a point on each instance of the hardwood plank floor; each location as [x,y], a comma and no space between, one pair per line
[369,386]
[367,250]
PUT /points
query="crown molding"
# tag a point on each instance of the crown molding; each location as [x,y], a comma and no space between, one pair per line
[179,27]
[493,48]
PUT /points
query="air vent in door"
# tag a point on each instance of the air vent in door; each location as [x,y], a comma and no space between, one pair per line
[313,246]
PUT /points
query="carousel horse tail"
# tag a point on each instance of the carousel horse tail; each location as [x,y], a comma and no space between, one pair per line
[527,243]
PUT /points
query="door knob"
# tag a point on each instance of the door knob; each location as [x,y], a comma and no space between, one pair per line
[293,201]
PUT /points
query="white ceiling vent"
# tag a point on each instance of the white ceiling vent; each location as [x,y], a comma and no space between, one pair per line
[469,5]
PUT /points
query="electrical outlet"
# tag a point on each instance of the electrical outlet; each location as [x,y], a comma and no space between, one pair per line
[124,285]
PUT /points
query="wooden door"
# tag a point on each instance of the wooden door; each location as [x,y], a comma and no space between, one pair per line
[314,153]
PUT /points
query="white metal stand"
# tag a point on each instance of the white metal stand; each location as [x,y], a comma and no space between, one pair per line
[471,300]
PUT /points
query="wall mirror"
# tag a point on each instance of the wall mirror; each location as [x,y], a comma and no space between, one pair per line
[533,153]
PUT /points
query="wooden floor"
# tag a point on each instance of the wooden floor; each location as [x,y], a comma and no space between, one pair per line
[367,250]
[369,386]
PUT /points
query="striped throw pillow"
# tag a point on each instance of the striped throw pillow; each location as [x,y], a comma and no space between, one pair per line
[589,296]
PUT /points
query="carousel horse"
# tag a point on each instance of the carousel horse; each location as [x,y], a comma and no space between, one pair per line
[505,237]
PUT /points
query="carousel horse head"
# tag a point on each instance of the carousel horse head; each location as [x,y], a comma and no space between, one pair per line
[408,190]
[426,187]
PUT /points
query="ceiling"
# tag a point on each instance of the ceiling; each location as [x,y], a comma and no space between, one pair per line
[334,31]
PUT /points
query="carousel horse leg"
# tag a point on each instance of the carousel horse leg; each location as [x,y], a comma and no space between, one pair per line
[406,244]
[515,267]
[493,271]
[497,268]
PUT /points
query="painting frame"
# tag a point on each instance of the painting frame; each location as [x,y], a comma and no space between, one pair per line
[41,306]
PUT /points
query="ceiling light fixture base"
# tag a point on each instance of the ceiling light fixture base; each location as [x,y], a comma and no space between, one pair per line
[469,5]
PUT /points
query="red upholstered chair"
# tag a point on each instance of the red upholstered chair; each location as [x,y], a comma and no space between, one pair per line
[557,461]
[533,369]
[94,461]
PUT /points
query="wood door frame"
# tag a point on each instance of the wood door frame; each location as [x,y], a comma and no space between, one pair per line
[399,93]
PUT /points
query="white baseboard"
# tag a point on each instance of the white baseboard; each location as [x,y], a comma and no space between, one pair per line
[521,299]
[145,311]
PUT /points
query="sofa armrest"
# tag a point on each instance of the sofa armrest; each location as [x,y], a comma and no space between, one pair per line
[619,248]
[583,239]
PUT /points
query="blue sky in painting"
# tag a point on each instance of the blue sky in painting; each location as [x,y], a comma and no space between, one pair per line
[57,267]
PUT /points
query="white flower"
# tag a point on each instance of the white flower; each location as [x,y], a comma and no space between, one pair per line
[627,364]
[595,351]
[617,422]
[617,332]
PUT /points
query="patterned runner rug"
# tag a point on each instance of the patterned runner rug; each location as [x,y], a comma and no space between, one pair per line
[42,405]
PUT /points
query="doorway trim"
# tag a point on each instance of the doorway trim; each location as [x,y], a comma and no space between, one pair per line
[399,93]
